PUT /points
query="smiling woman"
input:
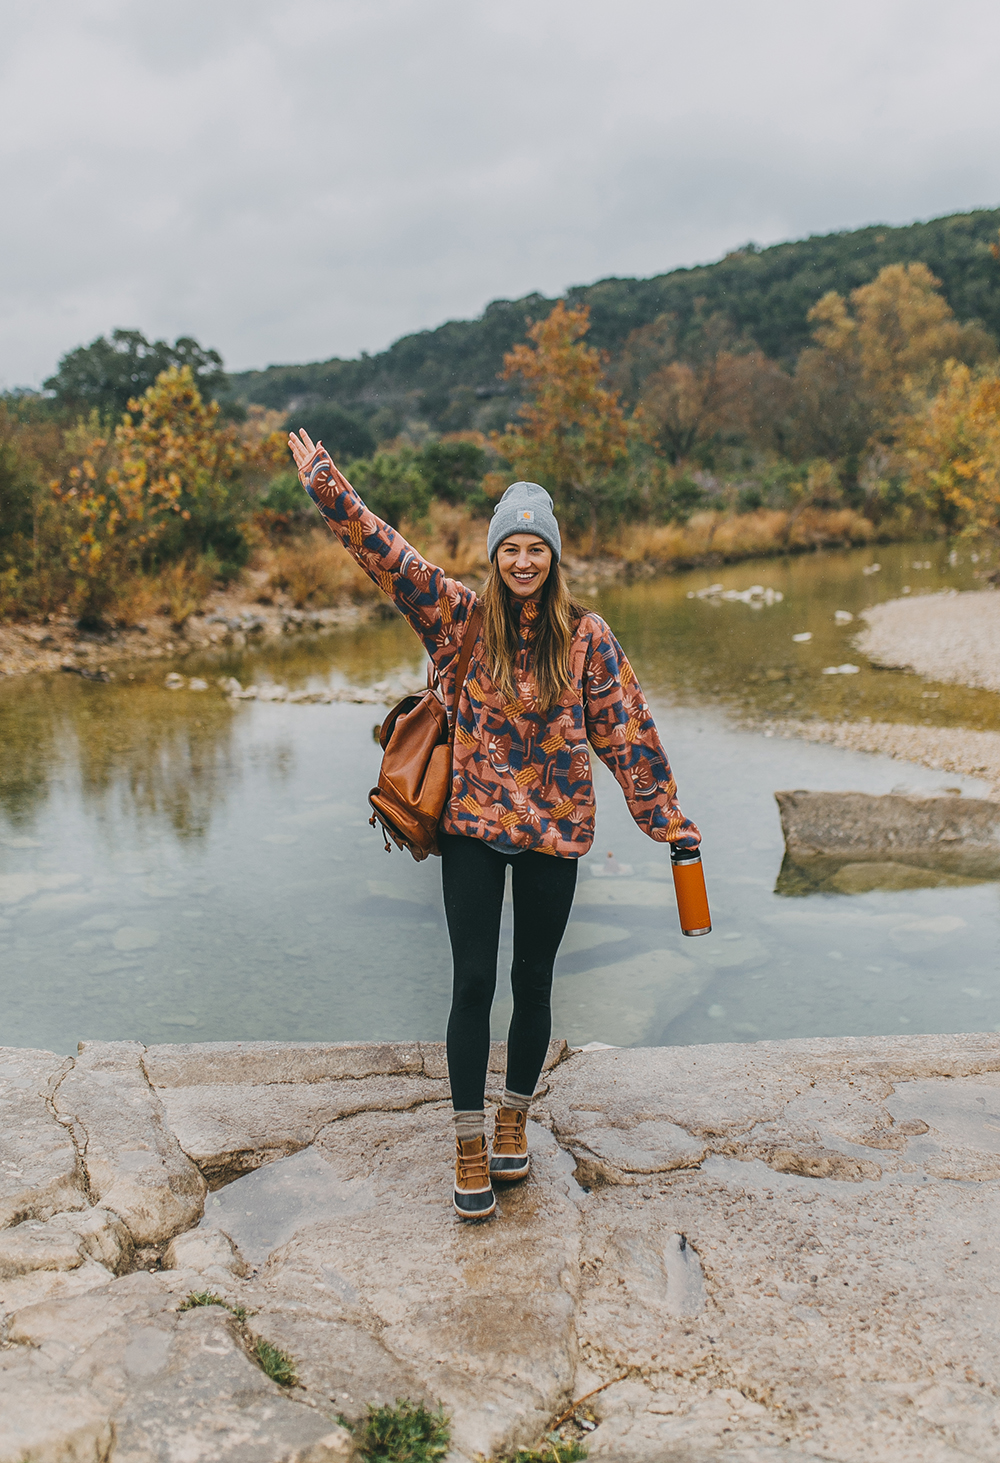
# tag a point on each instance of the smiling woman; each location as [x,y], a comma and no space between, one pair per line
[544,677]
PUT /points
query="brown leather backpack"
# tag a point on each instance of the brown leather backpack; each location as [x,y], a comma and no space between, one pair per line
[415,777]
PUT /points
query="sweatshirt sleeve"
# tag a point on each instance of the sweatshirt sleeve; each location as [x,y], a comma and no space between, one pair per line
[624,736]
[435,606]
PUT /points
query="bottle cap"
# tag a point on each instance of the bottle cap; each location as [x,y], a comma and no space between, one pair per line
[684,855]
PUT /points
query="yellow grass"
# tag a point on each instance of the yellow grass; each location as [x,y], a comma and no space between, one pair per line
[317,570]
[453,539]
[737,535]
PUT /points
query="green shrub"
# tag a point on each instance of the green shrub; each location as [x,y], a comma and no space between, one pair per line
[392,484]
[452,470]
[677,498]
[286,495]
[344,434]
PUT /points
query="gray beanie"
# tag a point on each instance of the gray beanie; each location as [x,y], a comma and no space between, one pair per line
[524,508]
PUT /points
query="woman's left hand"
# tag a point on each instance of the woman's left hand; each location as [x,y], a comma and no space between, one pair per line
[302,448]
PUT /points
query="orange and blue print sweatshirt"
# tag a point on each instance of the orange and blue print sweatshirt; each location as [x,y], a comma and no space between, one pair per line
[521,777]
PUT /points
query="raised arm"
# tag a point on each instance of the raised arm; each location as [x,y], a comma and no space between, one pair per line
[624,736]
[435,606]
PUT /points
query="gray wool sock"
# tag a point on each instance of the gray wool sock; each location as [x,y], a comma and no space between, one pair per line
[470,1123]
[516,1100]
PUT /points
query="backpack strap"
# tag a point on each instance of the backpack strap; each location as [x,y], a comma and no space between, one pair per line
[472,626]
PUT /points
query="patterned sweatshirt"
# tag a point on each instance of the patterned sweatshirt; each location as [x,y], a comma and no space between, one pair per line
[522,779]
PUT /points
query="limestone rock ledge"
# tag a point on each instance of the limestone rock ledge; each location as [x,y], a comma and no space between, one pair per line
[773,1251]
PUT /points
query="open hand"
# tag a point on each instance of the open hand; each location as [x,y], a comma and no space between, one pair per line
[302,448]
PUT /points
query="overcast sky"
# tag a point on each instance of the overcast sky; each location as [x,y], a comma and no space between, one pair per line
[291,181]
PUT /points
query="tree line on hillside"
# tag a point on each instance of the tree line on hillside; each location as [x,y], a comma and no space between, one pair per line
[127,487]
[449,379]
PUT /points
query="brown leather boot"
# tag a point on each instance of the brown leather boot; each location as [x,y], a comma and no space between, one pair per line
[474,1196]
[510,1159]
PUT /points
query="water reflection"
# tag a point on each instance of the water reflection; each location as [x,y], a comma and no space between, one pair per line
[29,761]
[849,876]
[134,752]
[751,657]
[176,867]
[145,756]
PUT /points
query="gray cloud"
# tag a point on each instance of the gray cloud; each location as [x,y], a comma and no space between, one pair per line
[292,181]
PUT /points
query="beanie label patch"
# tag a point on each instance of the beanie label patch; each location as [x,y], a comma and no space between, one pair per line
[526,515]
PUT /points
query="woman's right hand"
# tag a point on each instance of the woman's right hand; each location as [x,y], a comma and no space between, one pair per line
[303,449]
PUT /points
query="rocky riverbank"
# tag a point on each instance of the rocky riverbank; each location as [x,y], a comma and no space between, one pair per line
[943,748]
[950,637]
[234,617]
[778,1251]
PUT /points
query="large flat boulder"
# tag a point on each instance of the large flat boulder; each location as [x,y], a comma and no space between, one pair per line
[817,1108]
[842,1320]
[953,834]
[229,1129]
[391,1294]
[259,1063]
[777,1251]
[236,1105]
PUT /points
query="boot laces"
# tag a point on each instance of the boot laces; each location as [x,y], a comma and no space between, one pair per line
[473,1168]
[509,1130]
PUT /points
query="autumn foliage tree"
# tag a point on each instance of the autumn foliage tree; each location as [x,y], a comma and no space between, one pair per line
[105,513]
[161,487]
[871,353]
[951,448]
[710,392]
[171,435]
[572,430]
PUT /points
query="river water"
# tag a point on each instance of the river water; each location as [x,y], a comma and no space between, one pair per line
[178,867]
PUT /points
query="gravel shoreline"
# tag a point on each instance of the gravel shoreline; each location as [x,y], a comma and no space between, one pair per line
[948,637]
[943,748]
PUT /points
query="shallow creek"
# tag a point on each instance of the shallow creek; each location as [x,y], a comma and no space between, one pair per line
[175,866]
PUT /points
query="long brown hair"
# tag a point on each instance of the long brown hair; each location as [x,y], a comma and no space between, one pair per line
[558,616]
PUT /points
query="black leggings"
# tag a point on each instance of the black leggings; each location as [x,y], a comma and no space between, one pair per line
[473,875]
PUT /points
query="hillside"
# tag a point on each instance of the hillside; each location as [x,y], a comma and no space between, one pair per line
[447,377]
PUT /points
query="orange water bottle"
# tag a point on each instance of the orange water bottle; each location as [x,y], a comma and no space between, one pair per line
[689,887]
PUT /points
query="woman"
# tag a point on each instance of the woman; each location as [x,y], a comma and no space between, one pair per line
[546,676]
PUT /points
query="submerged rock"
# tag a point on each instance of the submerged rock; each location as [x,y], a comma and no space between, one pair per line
[953,835]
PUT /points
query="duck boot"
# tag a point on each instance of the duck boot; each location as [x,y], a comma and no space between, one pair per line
[510,1159]
[474,1196]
